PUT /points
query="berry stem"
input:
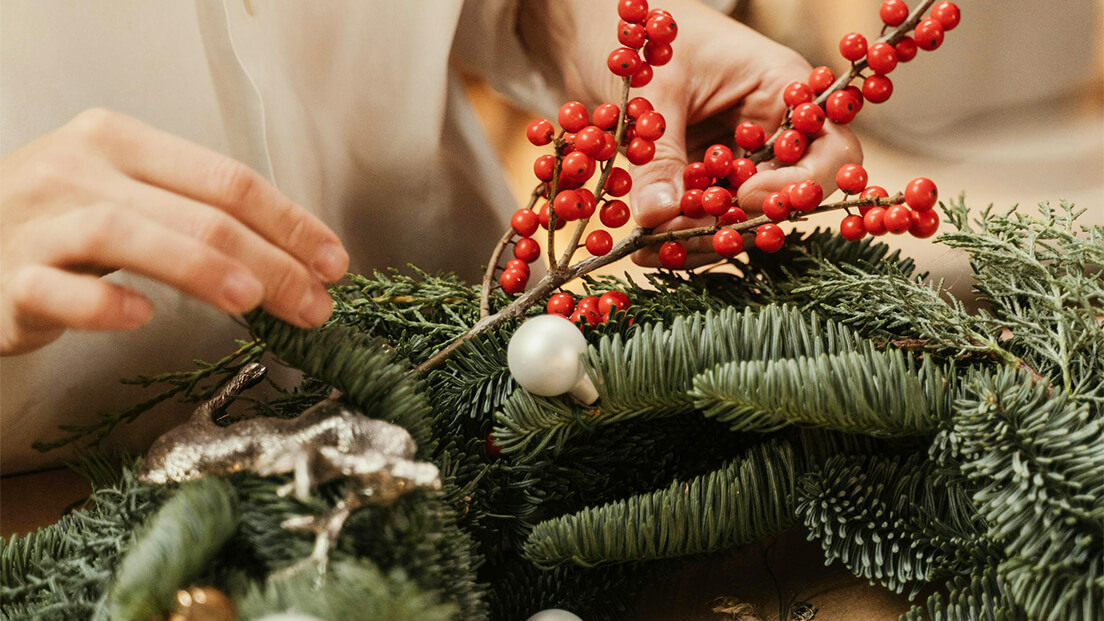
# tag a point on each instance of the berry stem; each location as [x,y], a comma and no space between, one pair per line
[496,255]
[637,239]
[766,152]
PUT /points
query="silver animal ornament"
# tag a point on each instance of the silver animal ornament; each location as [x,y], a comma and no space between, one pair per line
[328,441]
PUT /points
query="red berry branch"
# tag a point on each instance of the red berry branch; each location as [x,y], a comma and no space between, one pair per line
[631,128]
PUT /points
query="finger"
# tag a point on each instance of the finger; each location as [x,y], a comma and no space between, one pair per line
[285,280]
[112,237]
[698,248]
[45,297]
[832,148]
[177,165]
[657,185]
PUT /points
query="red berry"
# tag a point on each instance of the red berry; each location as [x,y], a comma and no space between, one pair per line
[527,249]
[897,219]
[718,161]
[605,116]
[691,204]
[525,222]
[928,34]
[777,207]
[769,238]
[716,200]
[590,140]
[631,35]
[640,151]
[661,28]
[577,166]
[874,191]
[493,450]
[857,95]
[573,116]
[569,205]
[650,125]
[734,215]
[852,228]
[807,118]
[694,177]
[893,12]
[637,106]
[797,93]
[947,14]
[657,54]
[750,136]
[877,88]
[921,194]
[613,301]
[609,148]
[820,79]
[790,146]
[742,170]
[881,58]
[540,132]
[589,202]
[544,167]
[924,223]
[518,264]
[806,196]
[614,214]
[619,182]
[652,13]
[599,242]
[728,243]
[588,302]
[851,178]
[642,76]
[585,315]
[841,107]
[543,216]
[874,221]
[632,10]
[906,49]
[569,142]
[672,255]
[853,46]
[561,304]
[623,61]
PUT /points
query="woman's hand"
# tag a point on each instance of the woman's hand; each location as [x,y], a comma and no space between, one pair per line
[107,192]
[722,73]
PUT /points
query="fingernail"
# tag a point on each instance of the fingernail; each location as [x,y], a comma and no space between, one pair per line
[316,307]
[330,262]
[242,290]
[657,197]
[136,311]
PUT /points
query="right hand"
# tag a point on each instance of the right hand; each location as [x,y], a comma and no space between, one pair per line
[107,192]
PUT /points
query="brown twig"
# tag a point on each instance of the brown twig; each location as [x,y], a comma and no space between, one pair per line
[496,255]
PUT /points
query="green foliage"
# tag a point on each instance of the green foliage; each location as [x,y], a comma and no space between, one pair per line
[866,391]
[976,597]
[357,591]
[1037,458]
[177,545]
[747,499]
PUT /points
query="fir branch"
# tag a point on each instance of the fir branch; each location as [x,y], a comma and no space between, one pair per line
[352,590]
[864,391]
[747,499]
[185,386]
[177,545]
[1037,458]
[980,596]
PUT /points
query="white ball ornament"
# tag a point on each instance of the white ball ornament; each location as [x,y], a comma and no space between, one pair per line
[544,358]
[555,614]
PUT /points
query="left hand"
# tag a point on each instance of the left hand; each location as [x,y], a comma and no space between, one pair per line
[722,73]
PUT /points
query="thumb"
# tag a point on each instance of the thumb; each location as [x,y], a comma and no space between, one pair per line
[657,185]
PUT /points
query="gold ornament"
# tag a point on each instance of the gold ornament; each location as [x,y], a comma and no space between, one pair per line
[201,603]
[330,440]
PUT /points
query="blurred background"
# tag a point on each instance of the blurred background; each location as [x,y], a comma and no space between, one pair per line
[1010,110]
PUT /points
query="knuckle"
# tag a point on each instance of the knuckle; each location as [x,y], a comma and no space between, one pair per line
[96,124]
[296,233]
[233,181]
[26,290]
[289,285]
[213,229]
[100,224]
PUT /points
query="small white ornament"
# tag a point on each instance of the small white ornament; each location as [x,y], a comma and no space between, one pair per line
[555,614]
[544,358]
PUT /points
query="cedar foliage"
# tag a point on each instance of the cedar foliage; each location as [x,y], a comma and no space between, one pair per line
[927,445]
